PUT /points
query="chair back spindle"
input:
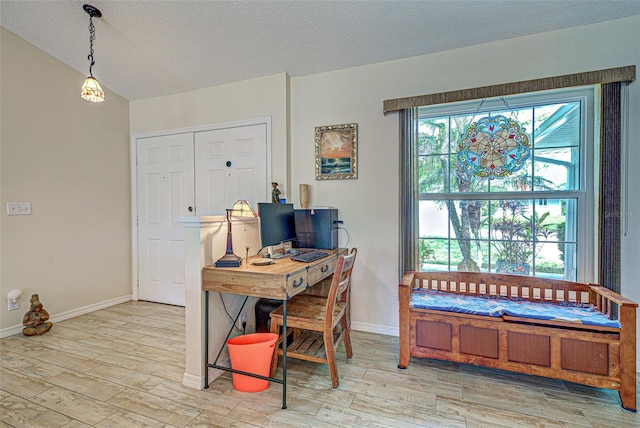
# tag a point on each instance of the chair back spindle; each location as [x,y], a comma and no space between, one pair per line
[319,324]
[340,284]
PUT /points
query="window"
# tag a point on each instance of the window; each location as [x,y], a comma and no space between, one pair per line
[537,220]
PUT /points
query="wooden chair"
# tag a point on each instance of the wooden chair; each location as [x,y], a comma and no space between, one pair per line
[319,324]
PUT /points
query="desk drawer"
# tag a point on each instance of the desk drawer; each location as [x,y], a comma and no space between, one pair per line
[321,270]
[297,282]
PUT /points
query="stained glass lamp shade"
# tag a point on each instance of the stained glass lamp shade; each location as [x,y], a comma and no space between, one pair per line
[91,90]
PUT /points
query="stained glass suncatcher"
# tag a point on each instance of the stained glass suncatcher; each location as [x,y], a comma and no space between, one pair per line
[494,146]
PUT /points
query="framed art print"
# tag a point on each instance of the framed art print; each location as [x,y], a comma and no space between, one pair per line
[337,152]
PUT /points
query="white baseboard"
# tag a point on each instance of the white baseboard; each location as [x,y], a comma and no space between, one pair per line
[197,382]
[375,328]
[10,331]
[192,381]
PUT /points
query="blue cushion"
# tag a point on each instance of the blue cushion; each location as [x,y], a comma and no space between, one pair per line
[498,306]
[439,301]
[576,313]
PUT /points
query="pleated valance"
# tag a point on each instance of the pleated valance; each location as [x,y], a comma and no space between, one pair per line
[610,75]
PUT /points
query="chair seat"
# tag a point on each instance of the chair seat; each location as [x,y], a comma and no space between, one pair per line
[307,312]
[318,324]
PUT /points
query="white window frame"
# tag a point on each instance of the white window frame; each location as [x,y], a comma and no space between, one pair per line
[585,194]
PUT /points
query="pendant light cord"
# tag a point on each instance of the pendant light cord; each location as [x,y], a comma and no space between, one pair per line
[92,37]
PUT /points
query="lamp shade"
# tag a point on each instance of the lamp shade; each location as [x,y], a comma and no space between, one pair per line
[242,208]
[91,90]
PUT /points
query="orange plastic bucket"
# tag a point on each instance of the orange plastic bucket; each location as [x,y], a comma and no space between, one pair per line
[251,353]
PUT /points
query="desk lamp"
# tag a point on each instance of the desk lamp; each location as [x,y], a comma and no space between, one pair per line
[240,208]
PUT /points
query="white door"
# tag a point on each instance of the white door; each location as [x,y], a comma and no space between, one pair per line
[231,164]
[165,175]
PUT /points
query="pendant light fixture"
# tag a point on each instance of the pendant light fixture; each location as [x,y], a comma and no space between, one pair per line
[91,90]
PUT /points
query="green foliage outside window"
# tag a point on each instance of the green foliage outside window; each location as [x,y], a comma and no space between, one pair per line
[484,226]
[516,233]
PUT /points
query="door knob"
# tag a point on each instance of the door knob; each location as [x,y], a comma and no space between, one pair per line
[190,209]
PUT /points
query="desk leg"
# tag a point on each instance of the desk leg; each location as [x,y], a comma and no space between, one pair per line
[224,343]
[206,339]
[284,354]
[215,363]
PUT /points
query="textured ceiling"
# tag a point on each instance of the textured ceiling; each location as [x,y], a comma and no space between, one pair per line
[152,48]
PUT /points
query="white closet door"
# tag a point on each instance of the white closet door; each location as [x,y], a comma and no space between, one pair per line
[231,164]
[165,175]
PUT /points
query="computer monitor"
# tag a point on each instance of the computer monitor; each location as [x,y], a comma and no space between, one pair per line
[317,228]
[277,224]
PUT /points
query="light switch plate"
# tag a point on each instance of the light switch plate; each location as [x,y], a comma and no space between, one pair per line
[18,208]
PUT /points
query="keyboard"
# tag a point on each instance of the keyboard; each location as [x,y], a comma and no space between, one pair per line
[309,256]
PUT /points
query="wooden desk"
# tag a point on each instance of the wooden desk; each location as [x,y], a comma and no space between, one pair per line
[281,280]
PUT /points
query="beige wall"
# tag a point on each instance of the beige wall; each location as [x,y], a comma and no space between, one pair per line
[369,205]
[70,159]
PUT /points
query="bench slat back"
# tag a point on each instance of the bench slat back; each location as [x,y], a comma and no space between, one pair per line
[510,286]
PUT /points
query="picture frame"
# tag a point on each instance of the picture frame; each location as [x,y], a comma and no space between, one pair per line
[336,152]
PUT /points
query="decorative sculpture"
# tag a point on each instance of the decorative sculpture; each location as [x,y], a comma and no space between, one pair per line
[36,320]
[304,196]
[275,193]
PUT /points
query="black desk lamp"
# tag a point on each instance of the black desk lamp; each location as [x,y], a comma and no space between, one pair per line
[241,208]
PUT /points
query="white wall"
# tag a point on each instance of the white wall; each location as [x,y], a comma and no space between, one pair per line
[70,159]
[369,205]
[265,96]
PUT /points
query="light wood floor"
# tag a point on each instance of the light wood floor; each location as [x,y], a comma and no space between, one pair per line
[123,367]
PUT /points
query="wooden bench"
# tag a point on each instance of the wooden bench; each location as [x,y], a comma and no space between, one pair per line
[599,356]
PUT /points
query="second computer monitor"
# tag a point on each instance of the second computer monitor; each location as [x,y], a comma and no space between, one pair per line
[317,228]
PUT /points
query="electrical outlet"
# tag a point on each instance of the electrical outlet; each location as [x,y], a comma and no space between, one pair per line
[242,321]
[13,306]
